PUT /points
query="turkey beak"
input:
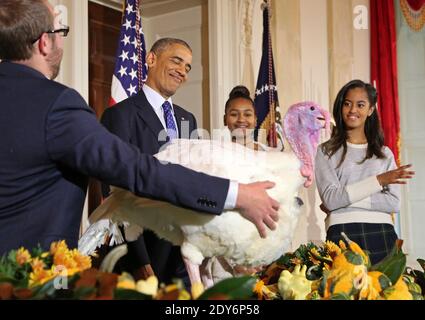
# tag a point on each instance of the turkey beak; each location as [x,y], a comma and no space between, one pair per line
[325,117]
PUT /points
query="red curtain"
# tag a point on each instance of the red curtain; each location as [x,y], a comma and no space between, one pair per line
[416,4]
[384,70]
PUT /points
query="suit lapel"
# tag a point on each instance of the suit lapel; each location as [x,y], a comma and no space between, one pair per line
[146,112]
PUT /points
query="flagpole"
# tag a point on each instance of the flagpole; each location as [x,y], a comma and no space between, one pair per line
[272,136]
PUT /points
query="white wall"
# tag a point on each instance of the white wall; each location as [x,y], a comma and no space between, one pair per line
[411,67]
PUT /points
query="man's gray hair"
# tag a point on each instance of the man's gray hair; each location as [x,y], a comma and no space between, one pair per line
[162,44]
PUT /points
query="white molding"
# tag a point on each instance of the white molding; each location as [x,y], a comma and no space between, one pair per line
[224,55]
[113,4]
[80,48]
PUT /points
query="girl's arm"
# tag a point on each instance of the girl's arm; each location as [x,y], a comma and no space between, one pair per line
[334,195]
[389,199]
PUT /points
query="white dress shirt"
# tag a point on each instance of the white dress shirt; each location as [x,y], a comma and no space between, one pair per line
[156,101]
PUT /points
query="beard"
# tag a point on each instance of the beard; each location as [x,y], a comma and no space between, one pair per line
[54,60]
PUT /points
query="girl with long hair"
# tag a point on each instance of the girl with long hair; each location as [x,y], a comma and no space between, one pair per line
[356,175]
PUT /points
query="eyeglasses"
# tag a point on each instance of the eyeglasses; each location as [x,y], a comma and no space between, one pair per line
[63,31]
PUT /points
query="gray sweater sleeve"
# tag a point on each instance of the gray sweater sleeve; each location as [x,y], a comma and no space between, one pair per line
[332,193]
[362,192]
[389,200]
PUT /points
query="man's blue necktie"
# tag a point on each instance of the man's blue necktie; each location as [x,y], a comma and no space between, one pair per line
[169,120]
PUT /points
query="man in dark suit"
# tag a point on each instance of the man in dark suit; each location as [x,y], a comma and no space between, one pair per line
[51,142]
[141,121]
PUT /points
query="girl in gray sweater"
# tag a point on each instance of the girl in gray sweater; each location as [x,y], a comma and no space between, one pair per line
[356,175]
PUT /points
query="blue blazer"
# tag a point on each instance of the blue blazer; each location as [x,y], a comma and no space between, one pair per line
[135,121]
[50,143]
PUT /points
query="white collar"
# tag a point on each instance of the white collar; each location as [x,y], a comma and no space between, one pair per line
[155,99]
[357,146]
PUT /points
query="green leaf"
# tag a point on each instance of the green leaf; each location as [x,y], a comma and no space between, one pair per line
[384,281]
[354,258]
[233,288]
[340,296]
[393,265]
[44,291]
[284,260]
[127,294]
[421,262]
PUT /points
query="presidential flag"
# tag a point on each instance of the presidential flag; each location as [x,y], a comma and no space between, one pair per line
[130,67]
[269,128]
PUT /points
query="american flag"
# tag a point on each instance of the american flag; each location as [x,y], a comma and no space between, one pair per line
[130,67]
[269,128]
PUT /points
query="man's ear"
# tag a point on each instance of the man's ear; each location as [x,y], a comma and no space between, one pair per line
[44,44]
[151,59]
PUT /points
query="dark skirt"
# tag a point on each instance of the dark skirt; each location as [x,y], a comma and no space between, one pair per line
[375,238]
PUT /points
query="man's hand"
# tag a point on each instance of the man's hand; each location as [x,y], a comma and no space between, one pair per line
[395,176]
[257,206]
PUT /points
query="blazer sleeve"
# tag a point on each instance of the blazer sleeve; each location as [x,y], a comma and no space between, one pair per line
[117,123]
[76,139]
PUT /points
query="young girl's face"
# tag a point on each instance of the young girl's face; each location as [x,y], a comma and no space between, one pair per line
[240,115]
[356,108]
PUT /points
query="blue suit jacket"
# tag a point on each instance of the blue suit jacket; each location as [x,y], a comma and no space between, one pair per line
[135,121]
[50,143]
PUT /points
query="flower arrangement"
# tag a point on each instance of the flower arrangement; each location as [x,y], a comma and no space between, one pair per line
[342,271]
[62,273]
[312,272]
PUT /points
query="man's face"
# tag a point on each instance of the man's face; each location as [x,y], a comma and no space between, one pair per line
[54,58]
[169,69]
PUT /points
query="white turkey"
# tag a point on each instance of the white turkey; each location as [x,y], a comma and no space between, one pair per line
[228,235]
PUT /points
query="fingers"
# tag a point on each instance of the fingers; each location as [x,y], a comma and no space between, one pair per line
[275,216]
[268,184]
[275,204]
[270,223]
[261,229]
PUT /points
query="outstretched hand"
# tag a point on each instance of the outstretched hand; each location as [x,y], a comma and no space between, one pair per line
[257,206]
[396,176]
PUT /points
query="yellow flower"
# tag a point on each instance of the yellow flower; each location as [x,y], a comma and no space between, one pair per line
[64,258]
[296,261]
[314,256]
[258,289]
[83,262]
[37,264]
[58,246]
[40,276]
[22,256]
[314,260]
[332,249]
[184,295]
[126,281]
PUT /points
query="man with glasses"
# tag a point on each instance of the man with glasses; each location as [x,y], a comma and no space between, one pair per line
[51,142]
